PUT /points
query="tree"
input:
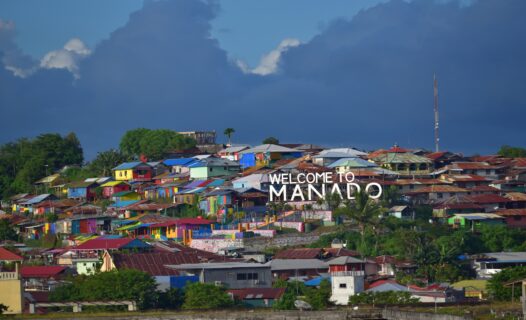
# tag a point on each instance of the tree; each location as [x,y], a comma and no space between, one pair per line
[271,140]
[7,232]
[205,296]
[364,211]
[3,308]
[319,298]
[153,143]
[127,284]
[496,285]
[170,299]
[105,161]
[229,132]
[512,152]
[25,161]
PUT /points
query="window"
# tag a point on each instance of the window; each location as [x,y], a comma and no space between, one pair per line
[451,194]
[343,285]
[211,169]
[241,276]
[411,186]
[439,195]
[247,276]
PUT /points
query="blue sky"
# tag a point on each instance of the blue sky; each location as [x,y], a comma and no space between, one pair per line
[246,29]
[285,68]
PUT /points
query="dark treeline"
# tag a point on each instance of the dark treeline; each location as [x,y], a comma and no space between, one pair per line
[25,161]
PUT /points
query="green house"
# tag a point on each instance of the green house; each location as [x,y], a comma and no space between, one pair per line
[213,167]
[474,220]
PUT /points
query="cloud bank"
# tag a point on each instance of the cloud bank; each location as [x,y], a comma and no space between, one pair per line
[365,82]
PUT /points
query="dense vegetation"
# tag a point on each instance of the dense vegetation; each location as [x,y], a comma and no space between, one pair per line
[512,152]
[318,298]
[153,144]
[25,161]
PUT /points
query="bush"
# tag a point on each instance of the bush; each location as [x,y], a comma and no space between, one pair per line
[205,296]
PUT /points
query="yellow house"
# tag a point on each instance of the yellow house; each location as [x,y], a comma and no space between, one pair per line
[128,171]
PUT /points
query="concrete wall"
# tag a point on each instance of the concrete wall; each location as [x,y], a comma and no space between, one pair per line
[229,277]
[214,245]
[11,292]
[285,315]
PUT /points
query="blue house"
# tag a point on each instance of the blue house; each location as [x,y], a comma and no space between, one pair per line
[82,190]
[267,154]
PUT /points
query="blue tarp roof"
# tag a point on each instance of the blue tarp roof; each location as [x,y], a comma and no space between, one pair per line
[315,282]
[179,161]
[129,165]
[121,204]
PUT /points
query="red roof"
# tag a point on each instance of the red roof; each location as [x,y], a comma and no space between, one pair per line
[104,244]
[153,263]
[6,255]
[511,212]
[488,198]
[434,155]
[300,253]
[484,188]
[41,271]
[398,149]
[257,293]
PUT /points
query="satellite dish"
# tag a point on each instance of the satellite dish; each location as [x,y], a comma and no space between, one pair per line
[302,305]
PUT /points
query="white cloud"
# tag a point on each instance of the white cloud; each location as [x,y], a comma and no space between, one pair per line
[269,62]
[67,57]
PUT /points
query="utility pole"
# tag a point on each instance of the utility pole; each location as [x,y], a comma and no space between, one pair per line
[435,91]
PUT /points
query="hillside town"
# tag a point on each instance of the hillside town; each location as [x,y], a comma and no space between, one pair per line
[435,228]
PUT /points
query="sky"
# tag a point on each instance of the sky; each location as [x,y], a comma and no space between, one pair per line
[337,73]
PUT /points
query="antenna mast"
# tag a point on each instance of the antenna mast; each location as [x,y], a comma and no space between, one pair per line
[435,91]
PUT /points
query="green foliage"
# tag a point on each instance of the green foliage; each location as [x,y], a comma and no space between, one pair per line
[105,161]
[51,217]
[496,288]
[76,174]
[229,132]
[3,308]
[205,296]
[387,297]
[153,143]
[170,299]
[127,284]
[512,152]
[286,302]
[25,161]
[271,140]
[500,238]
[7,232]
[319,298]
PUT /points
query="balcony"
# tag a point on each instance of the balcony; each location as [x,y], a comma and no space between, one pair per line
[359,273]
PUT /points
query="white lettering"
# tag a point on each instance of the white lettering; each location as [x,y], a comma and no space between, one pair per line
[273,192]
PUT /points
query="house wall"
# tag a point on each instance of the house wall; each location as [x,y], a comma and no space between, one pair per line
[516,221]
[353,285]
[77,193]
[215,245]
[11,294]
[123,175]
[230,277]
[199,173]
[86,267]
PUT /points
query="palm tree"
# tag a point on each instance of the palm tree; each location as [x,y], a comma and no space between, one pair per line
[228,132]
[364,211]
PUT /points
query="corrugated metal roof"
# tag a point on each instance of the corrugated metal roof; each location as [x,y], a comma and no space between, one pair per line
[269,148]
[130,165]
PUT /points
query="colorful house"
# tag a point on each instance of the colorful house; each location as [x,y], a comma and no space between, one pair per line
[474,220]
[179,165]
[133,171]
[112,187]
[267,154]
[233,152]
[82,190]
[125,196]
[213,167]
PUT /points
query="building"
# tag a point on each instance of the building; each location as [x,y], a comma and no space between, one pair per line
[298,268]
[257,297]
[82,190]
[474,221]
[112,187]
[347,278]
[7,256]
[133,171]
[404,163]
[267,154]
[213,167]
[329,156]
[232,275]
[201,137]
[233,152]
[11,293]
[488,264]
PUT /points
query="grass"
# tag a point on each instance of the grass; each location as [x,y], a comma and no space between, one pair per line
[481,311]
